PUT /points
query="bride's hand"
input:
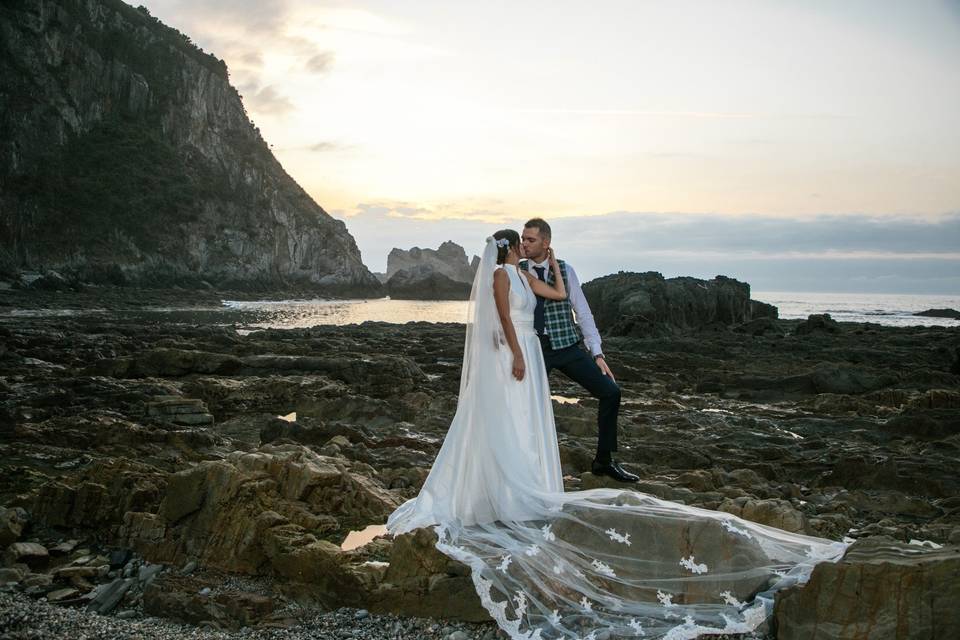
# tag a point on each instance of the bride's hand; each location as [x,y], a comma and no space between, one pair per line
[551,256]
[519,367]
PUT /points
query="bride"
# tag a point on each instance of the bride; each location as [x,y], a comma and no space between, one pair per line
[584,565]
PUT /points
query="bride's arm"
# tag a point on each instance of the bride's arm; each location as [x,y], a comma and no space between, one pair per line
[501,292]
[555,292]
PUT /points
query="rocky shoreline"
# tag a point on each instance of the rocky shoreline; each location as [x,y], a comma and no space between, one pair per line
[162,445]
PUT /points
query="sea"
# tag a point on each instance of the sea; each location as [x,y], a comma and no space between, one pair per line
[884,309]
[247,316]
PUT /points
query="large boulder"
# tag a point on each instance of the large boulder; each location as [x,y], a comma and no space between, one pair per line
[421,581]
[642,304]
[12,523]
[423,282]
[258,512]
[449,259]
[879,590]
[817,323]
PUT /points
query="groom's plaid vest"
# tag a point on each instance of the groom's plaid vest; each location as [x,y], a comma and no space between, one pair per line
[557,314]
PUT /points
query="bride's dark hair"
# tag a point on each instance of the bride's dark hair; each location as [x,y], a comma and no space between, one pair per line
[512,237]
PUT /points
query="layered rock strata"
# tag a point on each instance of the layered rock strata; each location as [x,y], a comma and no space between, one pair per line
[850,431]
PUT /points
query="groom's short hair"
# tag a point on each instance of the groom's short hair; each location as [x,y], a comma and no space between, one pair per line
[540,225]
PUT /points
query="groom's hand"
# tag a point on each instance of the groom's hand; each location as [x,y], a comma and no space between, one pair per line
[604,368]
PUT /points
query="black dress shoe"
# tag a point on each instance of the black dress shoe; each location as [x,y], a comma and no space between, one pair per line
[614,470]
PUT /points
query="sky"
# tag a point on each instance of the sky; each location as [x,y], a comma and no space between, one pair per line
[797,145]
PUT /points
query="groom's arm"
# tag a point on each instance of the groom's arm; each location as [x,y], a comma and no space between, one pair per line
[591,337]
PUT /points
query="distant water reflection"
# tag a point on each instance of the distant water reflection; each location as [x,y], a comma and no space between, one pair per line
[356,539]
[293,314]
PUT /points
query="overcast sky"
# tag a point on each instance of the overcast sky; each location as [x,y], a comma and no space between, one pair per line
[800,145]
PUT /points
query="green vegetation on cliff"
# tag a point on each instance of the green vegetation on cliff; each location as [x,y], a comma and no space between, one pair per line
[125,150]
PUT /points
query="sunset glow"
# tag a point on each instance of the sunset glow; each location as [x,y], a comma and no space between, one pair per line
[497,112]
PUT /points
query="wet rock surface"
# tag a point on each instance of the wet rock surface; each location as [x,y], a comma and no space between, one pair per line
[881,589]
[114,501]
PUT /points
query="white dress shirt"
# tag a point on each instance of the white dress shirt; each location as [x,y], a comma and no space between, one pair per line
[581,310]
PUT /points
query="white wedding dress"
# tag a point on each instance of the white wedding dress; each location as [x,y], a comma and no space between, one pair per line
[583,565]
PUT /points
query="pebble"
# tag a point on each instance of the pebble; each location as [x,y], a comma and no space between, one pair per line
[22,618]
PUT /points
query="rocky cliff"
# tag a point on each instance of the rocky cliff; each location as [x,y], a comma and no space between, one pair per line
[448,259]
[126,156]
[428,274]
[647,303]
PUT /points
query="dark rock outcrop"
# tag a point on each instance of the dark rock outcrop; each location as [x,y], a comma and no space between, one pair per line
[939,313]
[126,157]
[428,274]
[639,304]
[817,323]
[423,283]
[448,259]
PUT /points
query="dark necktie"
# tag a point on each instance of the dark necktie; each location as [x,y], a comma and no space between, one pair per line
[538,316]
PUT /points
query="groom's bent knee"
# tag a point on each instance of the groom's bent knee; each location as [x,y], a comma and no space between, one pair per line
[611,392]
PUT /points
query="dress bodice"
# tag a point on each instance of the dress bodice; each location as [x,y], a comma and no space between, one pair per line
[522,299]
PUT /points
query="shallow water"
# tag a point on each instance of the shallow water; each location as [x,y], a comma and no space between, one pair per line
[247,316]
[357,539]
[894,310]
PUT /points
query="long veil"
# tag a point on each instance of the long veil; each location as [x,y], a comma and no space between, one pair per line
[593,564]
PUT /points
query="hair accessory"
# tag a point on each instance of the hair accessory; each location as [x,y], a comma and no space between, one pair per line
[503,242]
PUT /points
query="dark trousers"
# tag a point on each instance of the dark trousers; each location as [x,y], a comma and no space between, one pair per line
[578,365]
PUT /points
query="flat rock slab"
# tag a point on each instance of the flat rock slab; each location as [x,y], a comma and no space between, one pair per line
[881,589]
[195,601]
[110,595]
[29,553]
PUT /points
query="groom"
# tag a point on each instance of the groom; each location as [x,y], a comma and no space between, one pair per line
[560,335]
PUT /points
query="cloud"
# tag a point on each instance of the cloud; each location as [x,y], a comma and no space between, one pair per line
[256,17]
[483,210]
[712,115]
[323,146]
[243,33]
[321,62]
[251,58]
[844,253]
[824,234]
[267,101]
[326,146]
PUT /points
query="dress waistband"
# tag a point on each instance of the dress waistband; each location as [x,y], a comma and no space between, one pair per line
[523,326]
